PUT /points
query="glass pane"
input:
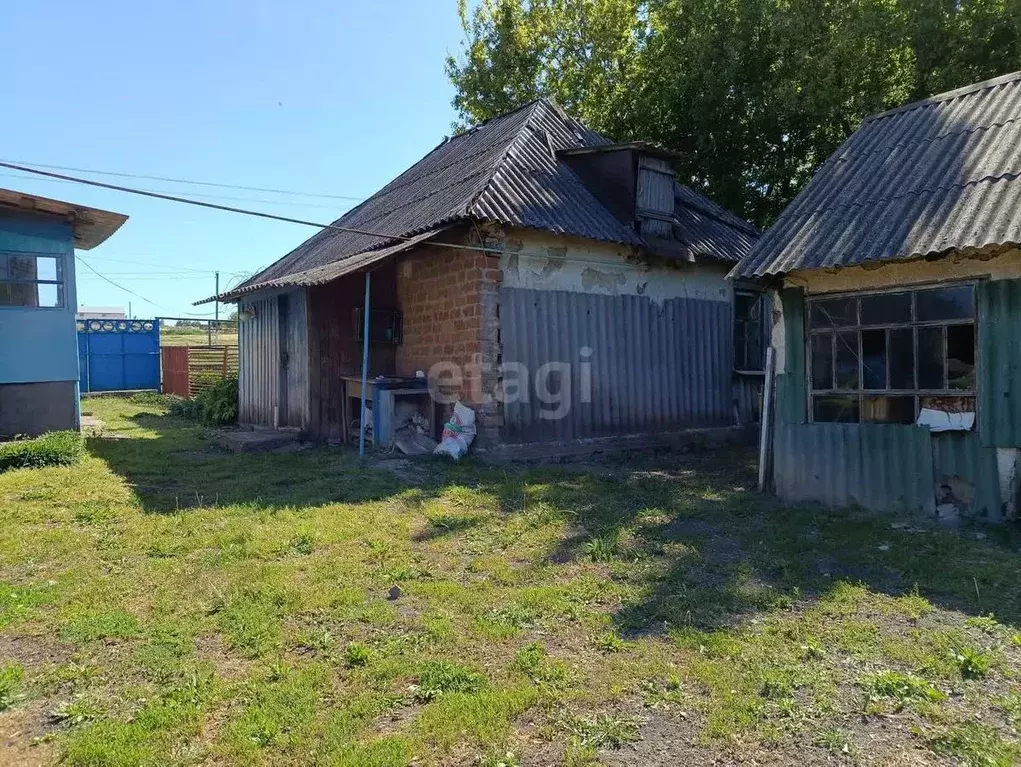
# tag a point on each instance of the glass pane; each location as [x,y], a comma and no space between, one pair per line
[945,304]
[954,404]
[746,305]
[49,294]
[902,358]
[888,409]
[846,360]
[930,358]
[838,409]
[31,268]
[30,294]
[740,363]
[47,269]
[835,312]
[873,359]
[961,356]
[822,361]
[21,268]
[885,308]
[754,359]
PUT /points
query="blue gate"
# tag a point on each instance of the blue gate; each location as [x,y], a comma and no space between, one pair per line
[118,355]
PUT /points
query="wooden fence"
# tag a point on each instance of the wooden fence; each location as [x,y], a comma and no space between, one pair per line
[187,370]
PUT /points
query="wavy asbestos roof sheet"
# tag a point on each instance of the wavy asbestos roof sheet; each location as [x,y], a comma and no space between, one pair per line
[503,170]
[507,171]
[706,229]
[926,178]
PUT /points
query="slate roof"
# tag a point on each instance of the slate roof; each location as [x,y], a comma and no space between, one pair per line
[505,170]
[925,178]
[707,229]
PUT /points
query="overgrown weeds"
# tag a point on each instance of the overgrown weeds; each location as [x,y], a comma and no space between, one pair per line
[55,448]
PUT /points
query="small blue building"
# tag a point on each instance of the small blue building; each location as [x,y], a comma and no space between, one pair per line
[38,338]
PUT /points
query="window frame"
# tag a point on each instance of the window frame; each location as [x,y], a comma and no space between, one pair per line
[60,282]
[858,328]
[760,298]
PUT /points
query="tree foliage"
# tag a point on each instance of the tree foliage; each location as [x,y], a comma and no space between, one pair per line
[753,94]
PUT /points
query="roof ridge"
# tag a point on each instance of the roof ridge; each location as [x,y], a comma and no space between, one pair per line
[948,95]
[526,126]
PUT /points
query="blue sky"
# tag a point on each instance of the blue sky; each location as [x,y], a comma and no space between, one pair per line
[334,98]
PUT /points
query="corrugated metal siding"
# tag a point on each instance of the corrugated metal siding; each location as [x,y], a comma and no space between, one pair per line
[963,455]
[888,467]
[882,467]
[653,367]
[999,363]
[927,178]
[259,363]
[295,342]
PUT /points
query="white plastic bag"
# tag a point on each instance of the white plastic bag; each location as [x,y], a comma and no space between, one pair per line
[458,433]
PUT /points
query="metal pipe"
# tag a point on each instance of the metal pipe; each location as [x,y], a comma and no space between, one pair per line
[365,364]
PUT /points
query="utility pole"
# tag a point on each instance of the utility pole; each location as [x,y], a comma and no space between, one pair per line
[216,311]
[129,311]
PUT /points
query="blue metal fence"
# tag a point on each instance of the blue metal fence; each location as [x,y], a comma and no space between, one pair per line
[118,355]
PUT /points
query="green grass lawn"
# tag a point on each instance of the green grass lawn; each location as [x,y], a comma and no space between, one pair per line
[167,603]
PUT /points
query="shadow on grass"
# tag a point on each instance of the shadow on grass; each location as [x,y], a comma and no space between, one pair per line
[703,548]
[688,532]
[180,469]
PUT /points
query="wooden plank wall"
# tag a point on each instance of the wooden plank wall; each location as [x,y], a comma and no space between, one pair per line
[334,350]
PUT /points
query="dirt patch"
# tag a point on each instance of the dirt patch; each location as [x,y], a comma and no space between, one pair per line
[23,732]
[229,666]
[402,468]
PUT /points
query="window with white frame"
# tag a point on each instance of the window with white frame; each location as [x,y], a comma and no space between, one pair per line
[749,323]
[881,357]
[31,281]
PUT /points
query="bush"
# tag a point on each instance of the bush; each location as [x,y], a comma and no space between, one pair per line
[55,448]
[214,406]
[153,398]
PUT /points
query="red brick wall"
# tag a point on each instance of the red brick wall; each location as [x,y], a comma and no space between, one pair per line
[449,301]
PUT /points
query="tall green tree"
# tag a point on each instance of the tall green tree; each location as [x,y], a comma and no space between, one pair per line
[753,94]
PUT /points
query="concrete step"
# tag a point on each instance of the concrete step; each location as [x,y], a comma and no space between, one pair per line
[258,440]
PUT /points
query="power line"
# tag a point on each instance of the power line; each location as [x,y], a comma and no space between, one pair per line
[288,219]
[254,213]
[187,181]
[211,196]
[202,204]
[107,279]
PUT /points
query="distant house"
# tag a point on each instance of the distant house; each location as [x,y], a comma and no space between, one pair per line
[38,340]
[563,286]
[101,313]
[898,336]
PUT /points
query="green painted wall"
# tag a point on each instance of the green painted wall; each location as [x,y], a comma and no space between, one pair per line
[888,467]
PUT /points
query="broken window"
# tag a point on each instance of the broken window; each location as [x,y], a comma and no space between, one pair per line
[749,331]
[882,357]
